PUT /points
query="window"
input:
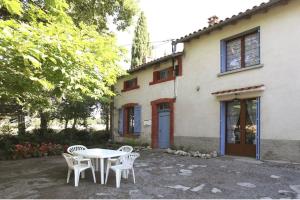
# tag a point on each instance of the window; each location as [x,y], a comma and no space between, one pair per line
[242,51]
[162,76]
[130,85]
[130,120]
[129,123]
[163,107]
[165,74]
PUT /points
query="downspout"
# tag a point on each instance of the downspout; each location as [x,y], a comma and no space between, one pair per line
[174,67]
[111,119]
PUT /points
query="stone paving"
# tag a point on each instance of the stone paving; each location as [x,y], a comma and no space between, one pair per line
[158,175]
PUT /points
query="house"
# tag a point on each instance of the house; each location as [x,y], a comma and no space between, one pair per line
[235,88]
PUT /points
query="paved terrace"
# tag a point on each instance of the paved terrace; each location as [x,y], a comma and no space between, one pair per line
[158,175]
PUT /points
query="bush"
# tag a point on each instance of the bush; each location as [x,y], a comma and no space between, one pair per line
[26,145]
[29,150]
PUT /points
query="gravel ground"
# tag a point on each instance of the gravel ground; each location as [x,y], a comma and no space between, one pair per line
[158,175]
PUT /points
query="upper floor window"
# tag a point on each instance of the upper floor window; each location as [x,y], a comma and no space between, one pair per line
[240,52]
[165,74]
[130,85]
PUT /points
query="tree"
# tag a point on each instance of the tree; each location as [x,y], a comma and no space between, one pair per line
[77,110]
[45,57]
[99,12]
[141,47]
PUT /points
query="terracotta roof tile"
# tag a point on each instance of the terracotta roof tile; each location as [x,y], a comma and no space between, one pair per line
[233,18]
[150,63]
[238,89]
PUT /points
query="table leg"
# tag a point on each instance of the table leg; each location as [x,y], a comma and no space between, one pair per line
[97,164]
[102,170]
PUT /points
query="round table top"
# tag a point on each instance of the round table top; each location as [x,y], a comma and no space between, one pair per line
[100,153]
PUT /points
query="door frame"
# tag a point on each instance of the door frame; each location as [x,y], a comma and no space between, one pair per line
[154,124]
[222,145]
[241,149]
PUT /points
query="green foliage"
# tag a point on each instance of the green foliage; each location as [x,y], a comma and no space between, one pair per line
[98,13]
[45,57]
[6,129]
[12,6]
[77,110]
[141,47]
[64,137]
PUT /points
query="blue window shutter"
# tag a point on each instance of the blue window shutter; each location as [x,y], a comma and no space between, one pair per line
[258,32]
[222,127]
[258,128]
[223,55]
[137,120]
[121,121]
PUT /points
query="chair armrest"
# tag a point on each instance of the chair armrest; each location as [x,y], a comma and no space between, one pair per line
[80,159]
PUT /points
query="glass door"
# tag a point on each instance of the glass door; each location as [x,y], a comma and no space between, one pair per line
[241,127]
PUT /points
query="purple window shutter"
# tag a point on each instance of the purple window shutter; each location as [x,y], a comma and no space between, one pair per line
[222,127]
[223,55]
[137,120]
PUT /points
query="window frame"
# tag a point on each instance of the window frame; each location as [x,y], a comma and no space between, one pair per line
[129,119]
[242,37]
[171,73]
[126,129]
[134,86]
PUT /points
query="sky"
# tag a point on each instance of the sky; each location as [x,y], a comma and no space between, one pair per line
[172,19]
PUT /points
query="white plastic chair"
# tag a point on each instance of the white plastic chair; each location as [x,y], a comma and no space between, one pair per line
[77,165]
[126,165]
[73,148]
[114,161]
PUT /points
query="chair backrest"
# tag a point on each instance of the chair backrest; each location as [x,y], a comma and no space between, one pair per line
[126,148]
[73,148]
[129,159]
[70,160]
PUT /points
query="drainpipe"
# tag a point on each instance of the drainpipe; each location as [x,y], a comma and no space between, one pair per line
[174,67]
[111,119]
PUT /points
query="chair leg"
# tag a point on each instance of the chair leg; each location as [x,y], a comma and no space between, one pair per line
[93,171]
[107,171]
[118,178]
[69,174]
[76,174]
[133,175]
[83,174]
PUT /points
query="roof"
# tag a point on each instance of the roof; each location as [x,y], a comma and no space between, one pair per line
[158,60]
[239,90]
[232,19]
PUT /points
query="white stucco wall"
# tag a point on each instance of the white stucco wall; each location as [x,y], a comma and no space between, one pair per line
[143,96]
[197,113]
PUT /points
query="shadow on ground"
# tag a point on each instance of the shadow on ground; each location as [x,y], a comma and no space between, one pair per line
[158,175]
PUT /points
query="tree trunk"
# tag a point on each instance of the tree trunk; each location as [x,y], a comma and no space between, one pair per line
[44,121]
[21,123]
[74,123]
[66,123]
[107,118]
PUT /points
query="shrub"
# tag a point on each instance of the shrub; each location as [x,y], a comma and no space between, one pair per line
[29,150]
[37,142]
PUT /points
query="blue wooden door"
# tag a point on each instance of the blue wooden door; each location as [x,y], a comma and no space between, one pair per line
[164,129]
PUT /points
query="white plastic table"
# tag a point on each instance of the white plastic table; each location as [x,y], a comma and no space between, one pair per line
[100,154]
